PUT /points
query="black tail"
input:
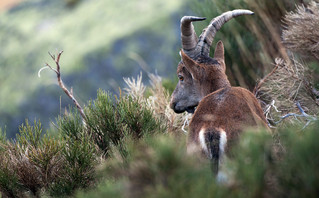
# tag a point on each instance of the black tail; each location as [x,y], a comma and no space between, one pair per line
[212,138]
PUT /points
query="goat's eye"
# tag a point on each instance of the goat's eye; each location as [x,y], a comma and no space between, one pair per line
[181,78]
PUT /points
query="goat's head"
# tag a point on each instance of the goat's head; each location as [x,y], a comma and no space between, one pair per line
[198,73]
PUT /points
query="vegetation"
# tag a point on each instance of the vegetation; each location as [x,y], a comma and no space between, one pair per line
[300,35]
[132,144]
[37,161]
[103,44]
[59,164]
[260,167]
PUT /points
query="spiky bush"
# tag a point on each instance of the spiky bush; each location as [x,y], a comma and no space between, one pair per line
[58,165]
[158,101]
[258,167]
[156,167]
[26,162]
[110,120]
[80,156]
[38,163]
[298,175]
[9,184]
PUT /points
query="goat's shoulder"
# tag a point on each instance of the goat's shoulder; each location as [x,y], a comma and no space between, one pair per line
[231,103]
[233,95]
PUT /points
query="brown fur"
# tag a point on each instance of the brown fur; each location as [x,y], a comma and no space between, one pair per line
[231,109]
[220,107]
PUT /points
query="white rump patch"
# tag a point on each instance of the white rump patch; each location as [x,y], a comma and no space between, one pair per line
[222,176]
[202,140]
[222,144]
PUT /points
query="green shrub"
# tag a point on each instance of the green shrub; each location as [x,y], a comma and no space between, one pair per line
[26,162]
[37,163]
[9,185]
[29,135]
[79,155]
[3,137]
[261,165]
[110,120]
[298,174]
[156,166]
[251,164]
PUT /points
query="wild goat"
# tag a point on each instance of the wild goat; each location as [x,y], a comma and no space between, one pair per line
[221,111]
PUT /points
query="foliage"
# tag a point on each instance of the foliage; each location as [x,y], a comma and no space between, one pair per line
[80,157]
[298,175]
[9,185]
[2,135]
[132,146]
[156,167]
[36,161]
[259,167]
[143,161]
[121,117]
[157,99]
[98,44]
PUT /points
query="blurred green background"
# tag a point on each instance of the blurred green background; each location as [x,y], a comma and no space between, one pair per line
[103,41]
[106,40]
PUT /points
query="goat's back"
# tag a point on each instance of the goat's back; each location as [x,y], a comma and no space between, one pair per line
[230,109]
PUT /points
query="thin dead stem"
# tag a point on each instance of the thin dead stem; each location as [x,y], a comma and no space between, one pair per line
[303,114]
[56,59]
[262,81]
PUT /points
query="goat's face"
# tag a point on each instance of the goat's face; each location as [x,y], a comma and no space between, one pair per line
[197,79]
[199,74]
[186,95]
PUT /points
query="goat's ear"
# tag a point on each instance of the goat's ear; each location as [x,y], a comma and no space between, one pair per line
[186,59]
[219,51]
[190,64]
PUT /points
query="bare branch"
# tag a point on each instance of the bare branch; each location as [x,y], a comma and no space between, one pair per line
[309,118]
[262,81]
[315,92]
[61,84]
[43,68]
[47,65]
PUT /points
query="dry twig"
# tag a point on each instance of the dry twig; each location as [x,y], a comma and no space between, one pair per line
[56,59]
[309,118]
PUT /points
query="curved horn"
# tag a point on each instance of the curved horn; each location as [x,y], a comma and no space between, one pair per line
[188,34]
[208,34]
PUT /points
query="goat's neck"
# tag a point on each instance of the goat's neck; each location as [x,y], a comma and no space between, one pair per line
[215,83]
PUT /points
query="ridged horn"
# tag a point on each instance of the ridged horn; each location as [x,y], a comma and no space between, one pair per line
[208,34]
[188,34]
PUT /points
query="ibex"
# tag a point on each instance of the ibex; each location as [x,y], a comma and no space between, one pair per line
[221,111]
